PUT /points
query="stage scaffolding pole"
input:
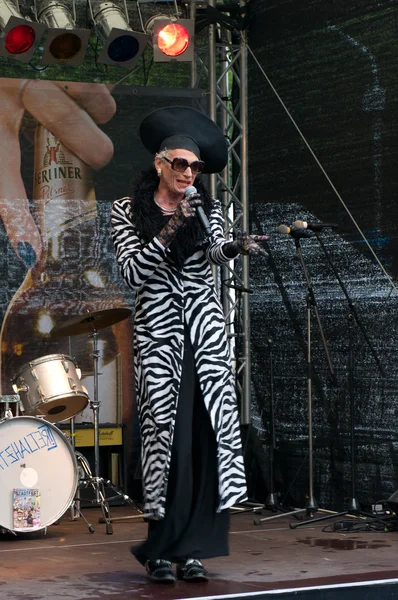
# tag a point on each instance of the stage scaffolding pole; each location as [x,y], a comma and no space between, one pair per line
[246,395]
[212,78]
[227,66]
[212,86]
[224,64]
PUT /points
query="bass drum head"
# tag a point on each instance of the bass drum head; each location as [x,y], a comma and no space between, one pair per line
[38,474]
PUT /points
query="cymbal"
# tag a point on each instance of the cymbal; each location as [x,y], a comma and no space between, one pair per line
[90,322]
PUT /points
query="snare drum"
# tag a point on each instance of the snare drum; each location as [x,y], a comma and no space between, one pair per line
[38,474]
[50,387]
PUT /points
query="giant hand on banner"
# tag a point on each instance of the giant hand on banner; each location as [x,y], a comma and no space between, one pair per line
[72,111]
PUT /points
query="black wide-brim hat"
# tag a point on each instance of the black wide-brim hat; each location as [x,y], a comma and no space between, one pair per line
[188,128]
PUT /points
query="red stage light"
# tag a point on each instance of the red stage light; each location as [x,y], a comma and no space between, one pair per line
[173,39]
[19,39]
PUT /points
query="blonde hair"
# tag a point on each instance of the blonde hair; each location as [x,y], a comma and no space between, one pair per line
[162,154]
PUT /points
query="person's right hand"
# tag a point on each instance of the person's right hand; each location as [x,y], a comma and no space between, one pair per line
[185,210]
[72,112]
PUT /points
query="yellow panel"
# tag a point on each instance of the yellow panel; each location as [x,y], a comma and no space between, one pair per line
[108,436]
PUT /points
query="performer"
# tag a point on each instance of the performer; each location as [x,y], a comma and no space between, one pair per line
[192,462]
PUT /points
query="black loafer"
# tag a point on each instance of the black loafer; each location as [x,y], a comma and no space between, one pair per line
[192,570]
[160,571]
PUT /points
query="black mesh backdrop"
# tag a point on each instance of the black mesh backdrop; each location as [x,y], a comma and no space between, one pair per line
[334,66]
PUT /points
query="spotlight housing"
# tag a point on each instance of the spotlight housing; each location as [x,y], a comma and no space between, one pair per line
[172,39]
[20,36]
[122,46]
[64,44]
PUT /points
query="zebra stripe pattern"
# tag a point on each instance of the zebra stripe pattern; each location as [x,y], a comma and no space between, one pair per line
[166,298]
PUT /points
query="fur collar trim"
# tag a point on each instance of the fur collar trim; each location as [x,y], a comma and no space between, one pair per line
[149,219]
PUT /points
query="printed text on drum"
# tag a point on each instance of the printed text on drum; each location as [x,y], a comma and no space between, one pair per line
[41,438]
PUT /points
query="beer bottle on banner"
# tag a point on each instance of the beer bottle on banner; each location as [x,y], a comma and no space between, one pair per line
[69,281]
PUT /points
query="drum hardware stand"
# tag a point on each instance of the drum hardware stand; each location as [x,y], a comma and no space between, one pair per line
[98,483]
[90,323]
[7,400]
[75,508]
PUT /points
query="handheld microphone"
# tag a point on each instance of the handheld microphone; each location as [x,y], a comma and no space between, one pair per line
[314,226]
[296,233]
[203,220]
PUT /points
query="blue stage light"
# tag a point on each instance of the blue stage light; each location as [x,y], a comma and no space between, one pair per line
[121,45]
[123,48]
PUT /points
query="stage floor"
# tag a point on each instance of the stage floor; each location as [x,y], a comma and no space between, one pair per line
[71,563]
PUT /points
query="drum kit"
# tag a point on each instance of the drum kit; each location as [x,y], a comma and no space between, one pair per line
[38,463]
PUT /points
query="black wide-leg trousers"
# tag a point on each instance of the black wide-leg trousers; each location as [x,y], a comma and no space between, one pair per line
[191,528]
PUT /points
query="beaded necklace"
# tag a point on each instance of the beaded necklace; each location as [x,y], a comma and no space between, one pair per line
[166,210]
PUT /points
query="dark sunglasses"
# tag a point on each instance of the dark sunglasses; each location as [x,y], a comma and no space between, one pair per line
[181,165]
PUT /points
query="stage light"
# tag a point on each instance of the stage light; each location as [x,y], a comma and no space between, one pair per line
[172,39]
[122,46]
[64,44]
[19,36]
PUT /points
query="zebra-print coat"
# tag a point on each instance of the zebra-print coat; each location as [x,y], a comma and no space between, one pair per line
[166,298]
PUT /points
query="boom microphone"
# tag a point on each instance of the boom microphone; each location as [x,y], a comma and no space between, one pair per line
[284,229]
[314,226]
[203,220]
[292,231]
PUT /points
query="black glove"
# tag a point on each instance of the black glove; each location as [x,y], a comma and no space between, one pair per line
[247,245]
[185,210]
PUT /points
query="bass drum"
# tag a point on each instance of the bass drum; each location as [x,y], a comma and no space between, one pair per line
[38,474]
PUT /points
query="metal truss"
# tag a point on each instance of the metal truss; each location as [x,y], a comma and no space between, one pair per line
[226,69]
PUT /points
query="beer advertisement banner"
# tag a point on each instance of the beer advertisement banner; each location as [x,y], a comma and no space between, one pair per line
[67,150]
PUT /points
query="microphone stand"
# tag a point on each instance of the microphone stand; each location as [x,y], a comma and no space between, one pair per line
[271,502]
[350,304]
[246,506]
[311,506]
[353,506]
